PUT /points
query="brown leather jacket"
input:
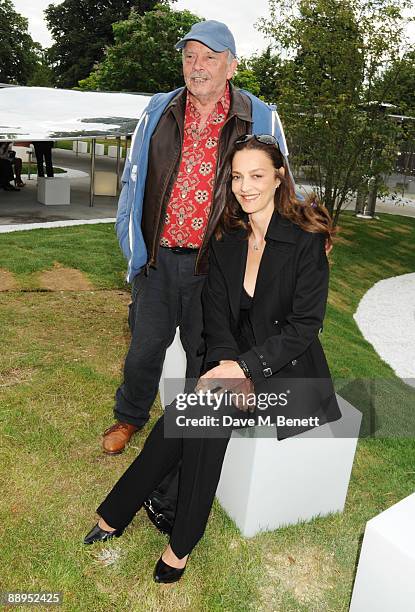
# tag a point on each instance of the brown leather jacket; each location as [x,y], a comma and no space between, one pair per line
[163,166]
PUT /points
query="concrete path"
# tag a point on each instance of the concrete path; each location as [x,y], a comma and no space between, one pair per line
[19,227]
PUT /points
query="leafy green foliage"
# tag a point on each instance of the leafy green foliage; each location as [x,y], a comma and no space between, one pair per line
[18,51]
[267,68]
[81,30]
[334,53]
[143,57]
[42,74]
[245,78]
[397,84]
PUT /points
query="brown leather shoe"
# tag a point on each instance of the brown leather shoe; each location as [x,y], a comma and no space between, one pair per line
[117,437]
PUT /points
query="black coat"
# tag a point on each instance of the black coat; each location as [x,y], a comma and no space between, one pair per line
[287,316]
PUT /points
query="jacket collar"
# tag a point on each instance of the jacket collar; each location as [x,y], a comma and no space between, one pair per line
[240,104]
[281,229]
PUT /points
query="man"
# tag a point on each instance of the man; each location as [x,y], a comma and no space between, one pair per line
[168,211]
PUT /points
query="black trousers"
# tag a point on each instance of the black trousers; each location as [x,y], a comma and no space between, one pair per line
[201,463]
[168,297]
[6,172]
[43,152]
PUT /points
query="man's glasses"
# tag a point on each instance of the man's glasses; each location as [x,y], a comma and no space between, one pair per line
[267,139]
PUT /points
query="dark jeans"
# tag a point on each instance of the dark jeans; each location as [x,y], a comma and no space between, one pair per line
[43,151]
[168,297]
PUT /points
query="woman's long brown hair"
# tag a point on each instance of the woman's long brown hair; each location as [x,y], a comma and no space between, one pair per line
[309,213]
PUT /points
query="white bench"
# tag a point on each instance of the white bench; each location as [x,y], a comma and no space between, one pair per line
[54,191]
[267,483]
[385,578]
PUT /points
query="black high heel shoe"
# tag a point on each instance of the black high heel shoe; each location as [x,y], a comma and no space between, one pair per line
[165,574]
[100,535]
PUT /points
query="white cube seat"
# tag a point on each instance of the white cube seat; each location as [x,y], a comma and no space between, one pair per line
[99,149]
[79,146]
[112,151]
[105,183]
[386,570]
[54,191]
[174,369]
[268,483]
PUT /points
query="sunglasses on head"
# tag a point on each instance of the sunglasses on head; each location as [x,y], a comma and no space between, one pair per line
[267,139]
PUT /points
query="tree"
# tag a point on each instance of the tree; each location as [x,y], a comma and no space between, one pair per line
[42,74]
[267,69]
[17,48]
[245,78]
[335,52]
[143,57]
[81,30]
[397,84]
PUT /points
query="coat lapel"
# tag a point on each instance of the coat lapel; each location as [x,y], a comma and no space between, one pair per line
[280,240]
[231,252]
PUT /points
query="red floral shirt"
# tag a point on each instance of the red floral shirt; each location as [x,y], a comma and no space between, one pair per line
[191,198]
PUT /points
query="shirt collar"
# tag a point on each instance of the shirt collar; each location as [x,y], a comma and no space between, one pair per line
[221,106]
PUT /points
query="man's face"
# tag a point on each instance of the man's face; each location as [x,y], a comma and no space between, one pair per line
[205,71]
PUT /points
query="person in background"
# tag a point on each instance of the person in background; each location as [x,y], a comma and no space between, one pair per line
[43,152]
[13,171]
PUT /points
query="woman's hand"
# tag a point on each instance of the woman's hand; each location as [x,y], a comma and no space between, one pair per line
[229,376]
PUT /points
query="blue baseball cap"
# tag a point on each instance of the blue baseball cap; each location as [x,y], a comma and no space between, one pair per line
[214,34]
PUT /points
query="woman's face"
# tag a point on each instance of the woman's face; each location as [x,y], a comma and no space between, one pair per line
[254,180]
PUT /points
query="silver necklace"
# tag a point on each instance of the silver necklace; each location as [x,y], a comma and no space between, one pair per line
[255,246]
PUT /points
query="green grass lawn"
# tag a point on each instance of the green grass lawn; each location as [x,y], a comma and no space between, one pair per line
[61,362]
[33,169]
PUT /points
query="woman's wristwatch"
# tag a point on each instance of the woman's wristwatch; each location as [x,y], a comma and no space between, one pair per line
[243,367]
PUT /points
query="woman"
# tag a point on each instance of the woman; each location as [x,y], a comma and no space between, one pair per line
[264,303]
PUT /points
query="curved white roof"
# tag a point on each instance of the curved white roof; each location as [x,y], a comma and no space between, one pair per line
[43,113]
